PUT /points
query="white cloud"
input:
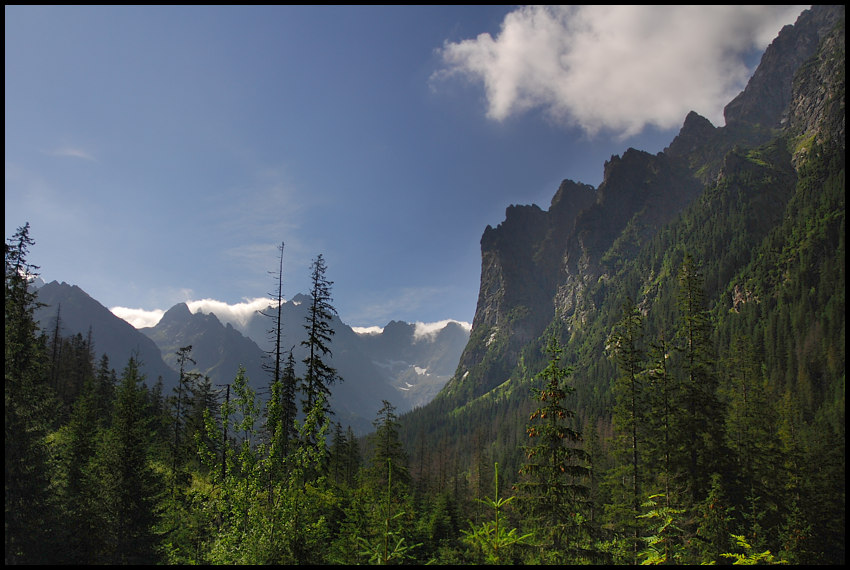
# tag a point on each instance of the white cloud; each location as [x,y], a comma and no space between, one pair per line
[429,330]
[368,330]
[139,318]
[617,68]
[237,314]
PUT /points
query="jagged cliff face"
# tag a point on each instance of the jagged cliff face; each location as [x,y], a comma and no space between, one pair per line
[538,264]
[639,193]
[520,266]
[766,99]
[520,271]
[817,100]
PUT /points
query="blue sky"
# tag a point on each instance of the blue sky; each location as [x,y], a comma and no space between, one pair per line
[161,154]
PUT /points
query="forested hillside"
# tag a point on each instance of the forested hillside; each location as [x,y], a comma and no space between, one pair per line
[655,374]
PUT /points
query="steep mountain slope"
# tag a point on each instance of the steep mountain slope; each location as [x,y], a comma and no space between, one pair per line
[79,313]
[737,197]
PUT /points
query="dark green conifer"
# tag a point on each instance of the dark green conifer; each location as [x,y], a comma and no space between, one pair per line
[131,488]
[27,414]
[319,374]
[626,343]
[698,426]
[554,488]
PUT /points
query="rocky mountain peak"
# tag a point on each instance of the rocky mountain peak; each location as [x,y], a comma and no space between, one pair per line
[177,313]
[766,98]
[300,298]
[693,134]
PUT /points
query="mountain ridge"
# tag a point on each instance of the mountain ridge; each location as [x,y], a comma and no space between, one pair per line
[79,313]
[399,364]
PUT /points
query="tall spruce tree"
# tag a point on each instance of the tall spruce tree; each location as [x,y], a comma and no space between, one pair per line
[629,411]
[698,427]
[751,427]
[288,407]
[28,408]
[554,489]
[83,517]
[661,395]
[319,374]
[351,461]
[387,446]
[131,487]
[387,486]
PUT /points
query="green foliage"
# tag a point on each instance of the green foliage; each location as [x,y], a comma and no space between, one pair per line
[391,545]
[714,523]
[665,542]
[630,417]
[555,468]
[748,557]
[131,487]
[29,406]
[491,542]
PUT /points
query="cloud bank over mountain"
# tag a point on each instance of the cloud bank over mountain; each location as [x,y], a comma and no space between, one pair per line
[429,330]
[239,314]
[139,318]
[577,62]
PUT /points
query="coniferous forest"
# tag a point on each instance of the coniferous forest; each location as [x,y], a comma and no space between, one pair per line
[690,410]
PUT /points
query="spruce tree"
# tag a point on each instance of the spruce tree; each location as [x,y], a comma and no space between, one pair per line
[202,399]
[105,381]
[698,427]
[337,454]
[83,518]
[751,430]
[353,457]
[386,486]
[131,488]
[29,406]
[629,411]
[662,391]
[288,407]
[554,489]
[319,374]
[386,445]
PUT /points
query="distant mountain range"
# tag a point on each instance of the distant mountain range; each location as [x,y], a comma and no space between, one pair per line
[399,364]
